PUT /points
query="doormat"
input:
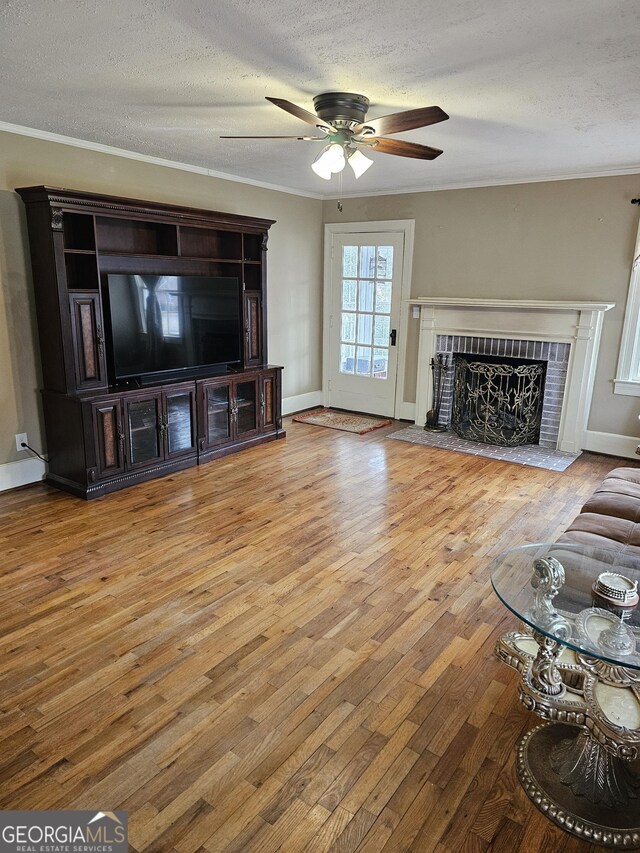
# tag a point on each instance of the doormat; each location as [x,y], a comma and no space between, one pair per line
[527,454]
[342,420]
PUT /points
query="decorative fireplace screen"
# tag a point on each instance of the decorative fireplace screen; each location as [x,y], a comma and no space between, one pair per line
[498,400]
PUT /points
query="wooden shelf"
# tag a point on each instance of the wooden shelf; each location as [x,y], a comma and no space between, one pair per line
[236,261]
[145,255]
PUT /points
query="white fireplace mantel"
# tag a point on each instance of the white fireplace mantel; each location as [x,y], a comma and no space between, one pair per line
[576,323]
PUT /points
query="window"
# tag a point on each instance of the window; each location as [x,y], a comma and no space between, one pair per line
[628,376]
[166,302]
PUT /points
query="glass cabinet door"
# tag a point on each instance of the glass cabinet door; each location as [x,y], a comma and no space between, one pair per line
[142,423]
[179,421]
[246,407]
[217,402]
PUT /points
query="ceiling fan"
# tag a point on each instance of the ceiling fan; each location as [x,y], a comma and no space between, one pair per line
[341,119]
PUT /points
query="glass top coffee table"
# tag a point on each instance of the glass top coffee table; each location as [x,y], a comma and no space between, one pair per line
[578,653]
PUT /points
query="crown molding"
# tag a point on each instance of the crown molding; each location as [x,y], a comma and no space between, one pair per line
[506,182]
[48,136]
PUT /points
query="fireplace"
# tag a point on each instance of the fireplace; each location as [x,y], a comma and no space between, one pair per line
[497,400]
[554,359]
[563,335]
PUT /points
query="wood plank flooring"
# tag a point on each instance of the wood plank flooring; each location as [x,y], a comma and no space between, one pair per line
[290,649]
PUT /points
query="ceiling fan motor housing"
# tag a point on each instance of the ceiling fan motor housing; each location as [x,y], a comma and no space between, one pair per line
[341,109]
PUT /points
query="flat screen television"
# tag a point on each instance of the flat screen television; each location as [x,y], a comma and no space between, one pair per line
[163,325]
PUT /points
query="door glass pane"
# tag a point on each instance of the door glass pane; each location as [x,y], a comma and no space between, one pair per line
[143,430]
[367,262]
[383,297]
[348,331]
[180,430]
[380,363]
[382,330]
[349,288]
[384,264]
[365,296]
[365,328]
[347,359]
[246,405]
[363,361]
[350,260]
[218,425]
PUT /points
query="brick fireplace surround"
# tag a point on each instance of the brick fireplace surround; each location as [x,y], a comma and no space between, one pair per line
[564,334]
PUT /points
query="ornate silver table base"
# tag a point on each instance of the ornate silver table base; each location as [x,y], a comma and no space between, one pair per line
[582,768]
[550,756]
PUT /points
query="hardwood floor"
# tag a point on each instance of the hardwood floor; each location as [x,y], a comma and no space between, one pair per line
[287,649]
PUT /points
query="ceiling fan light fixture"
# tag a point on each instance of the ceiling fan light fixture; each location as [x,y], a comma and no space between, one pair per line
[321,165]
[359,162]
[329,161]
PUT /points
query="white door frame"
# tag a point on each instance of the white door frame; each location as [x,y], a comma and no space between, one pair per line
[394,226]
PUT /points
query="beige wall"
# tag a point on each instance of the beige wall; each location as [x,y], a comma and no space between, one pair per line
[294,263]
[557,240]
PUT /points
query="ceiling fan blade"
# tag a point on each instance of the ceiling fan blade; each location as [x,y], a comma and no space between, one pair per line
[403,149]
[301,138]
[399,122]
[298,112]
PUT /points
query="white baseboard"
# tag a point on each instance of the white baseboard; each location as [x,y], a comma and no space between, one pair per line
[14,474]
[290,405]
[613,445]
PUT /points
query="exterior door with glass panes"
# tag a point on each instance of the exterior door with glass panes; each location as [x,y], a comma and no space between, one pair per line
[366,275]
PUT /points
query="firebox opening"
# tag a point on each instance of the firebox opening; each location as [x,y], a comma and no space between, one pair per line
[498,400]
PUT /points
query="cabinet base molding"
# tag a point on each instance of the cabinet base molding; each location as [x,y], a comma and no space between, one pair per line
[208,455]
[99,489]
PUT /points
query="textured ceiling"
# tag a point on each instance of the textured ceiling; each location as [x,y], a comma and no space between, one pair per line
[534,89]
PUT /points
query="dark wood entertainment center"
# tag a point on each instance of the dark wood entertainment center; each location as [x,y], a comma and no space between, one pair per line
[103,435]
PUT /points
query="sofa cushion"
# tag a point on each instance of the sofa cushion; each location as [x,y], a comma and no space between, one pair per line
[603,502]
[604,531]
[631,475]
[619,486]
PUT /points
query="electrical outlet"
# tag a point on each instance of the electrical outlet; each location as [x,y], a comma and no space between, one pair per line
[20,437]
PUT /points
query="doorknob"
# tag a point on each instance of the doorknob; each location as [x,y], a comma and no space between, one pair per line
[392,337]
